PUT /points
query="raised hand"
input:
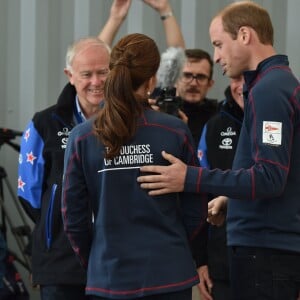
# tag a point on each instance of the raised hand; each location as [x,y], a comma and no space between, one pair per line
[118,12]
[162,6]
[120,8]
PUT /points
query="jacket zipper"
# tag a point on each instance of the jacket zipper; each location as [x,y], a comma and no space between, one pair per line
[49,218]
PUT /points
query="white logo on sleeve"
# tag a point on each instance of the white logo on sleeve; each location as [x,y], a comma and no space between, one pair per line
[272,133]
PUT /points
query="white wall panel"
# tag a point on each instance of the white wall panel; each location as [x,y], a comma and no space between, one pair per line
[292,36]
[188,23]
[81,20]
[28,49]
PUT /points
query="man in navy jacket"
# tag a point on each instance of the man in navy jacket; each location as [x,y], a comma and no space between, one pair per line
[263,228]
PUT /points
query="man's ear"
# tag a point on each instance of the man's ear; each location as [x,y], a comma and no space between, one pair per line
[69,75]
[244,34]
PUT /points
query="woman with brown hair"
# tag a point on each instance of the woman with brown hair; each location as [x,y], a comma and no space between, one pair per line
[134,246]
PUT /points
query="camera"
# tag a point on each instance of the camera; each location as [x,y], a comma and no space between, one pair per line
[168,102]
[8,134]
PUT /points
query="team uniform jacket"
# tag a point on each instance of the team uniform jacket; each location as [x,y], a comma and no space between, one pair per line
[220,135]
[264,185]
[139,245]
[39,187]
[216,149]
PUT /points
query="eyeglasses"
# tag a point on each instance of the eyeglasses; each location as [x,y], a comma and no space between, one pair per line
[189,77]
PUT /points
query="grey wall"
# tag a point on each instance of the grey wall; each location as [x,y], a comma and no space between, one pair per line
[34,35]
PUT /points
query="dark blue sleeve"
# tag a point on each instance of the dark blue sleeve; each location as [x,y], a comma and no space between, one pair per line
[75,202]
[194,210]
[262,162]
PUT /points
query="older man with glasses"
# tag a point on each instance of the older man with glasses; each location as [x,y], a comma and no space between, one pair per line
[193,86]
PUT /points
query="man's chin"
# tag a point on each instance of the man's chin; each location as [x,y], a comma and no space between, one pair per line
[96,99]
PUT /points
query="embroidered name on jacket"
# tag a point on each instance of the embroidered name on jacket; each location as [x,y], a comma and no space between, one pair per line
[130,156]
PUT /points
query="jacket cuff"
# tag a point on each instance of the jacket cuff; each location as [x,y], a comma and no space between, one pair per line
[192,179]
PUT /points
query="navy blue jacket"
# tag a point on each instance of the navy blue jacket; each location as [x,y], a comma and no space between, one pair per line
[264,185]
[39,188]
[220,135]
[138,245]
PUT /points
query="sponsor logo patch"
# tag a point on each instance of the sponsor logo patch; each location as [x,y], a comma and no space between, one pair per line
[272,133]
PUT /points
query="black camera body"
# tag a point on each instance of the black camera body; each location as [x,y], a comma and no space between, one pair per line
[8,134]
[168,102]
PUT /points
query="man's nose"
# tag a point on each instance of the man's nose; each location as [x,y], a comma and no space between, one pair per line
[96,79]
[216,56]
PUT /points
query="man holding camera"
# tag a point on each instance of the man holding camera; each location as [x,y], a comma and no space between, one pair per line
[193,86]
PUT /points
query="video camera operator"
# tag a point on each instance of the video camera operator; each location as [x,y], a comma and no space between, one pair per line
[192,87]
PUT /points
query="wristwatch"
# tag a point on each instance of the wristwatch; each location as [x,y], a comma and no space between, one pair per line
[166,15]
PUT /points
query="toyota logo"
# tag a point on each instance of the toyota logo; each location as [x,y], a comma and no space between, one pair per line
[227,142]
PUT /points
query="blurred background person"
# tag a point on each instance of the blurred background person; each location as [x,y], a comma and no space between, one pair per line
[193,86]
[197,74]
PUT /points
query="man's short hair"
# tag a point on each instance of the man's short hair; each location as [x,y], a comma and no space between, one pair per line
[195,55]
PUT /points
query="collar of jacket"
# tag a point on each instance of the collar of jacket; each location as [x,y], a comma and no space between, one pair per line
[66,102]
[275,61]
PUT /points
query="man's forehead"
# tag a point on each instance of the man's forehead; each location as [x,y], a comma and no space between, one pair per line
[216,28]
[200,64]
[94,57]
[90,46]
[216,23]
